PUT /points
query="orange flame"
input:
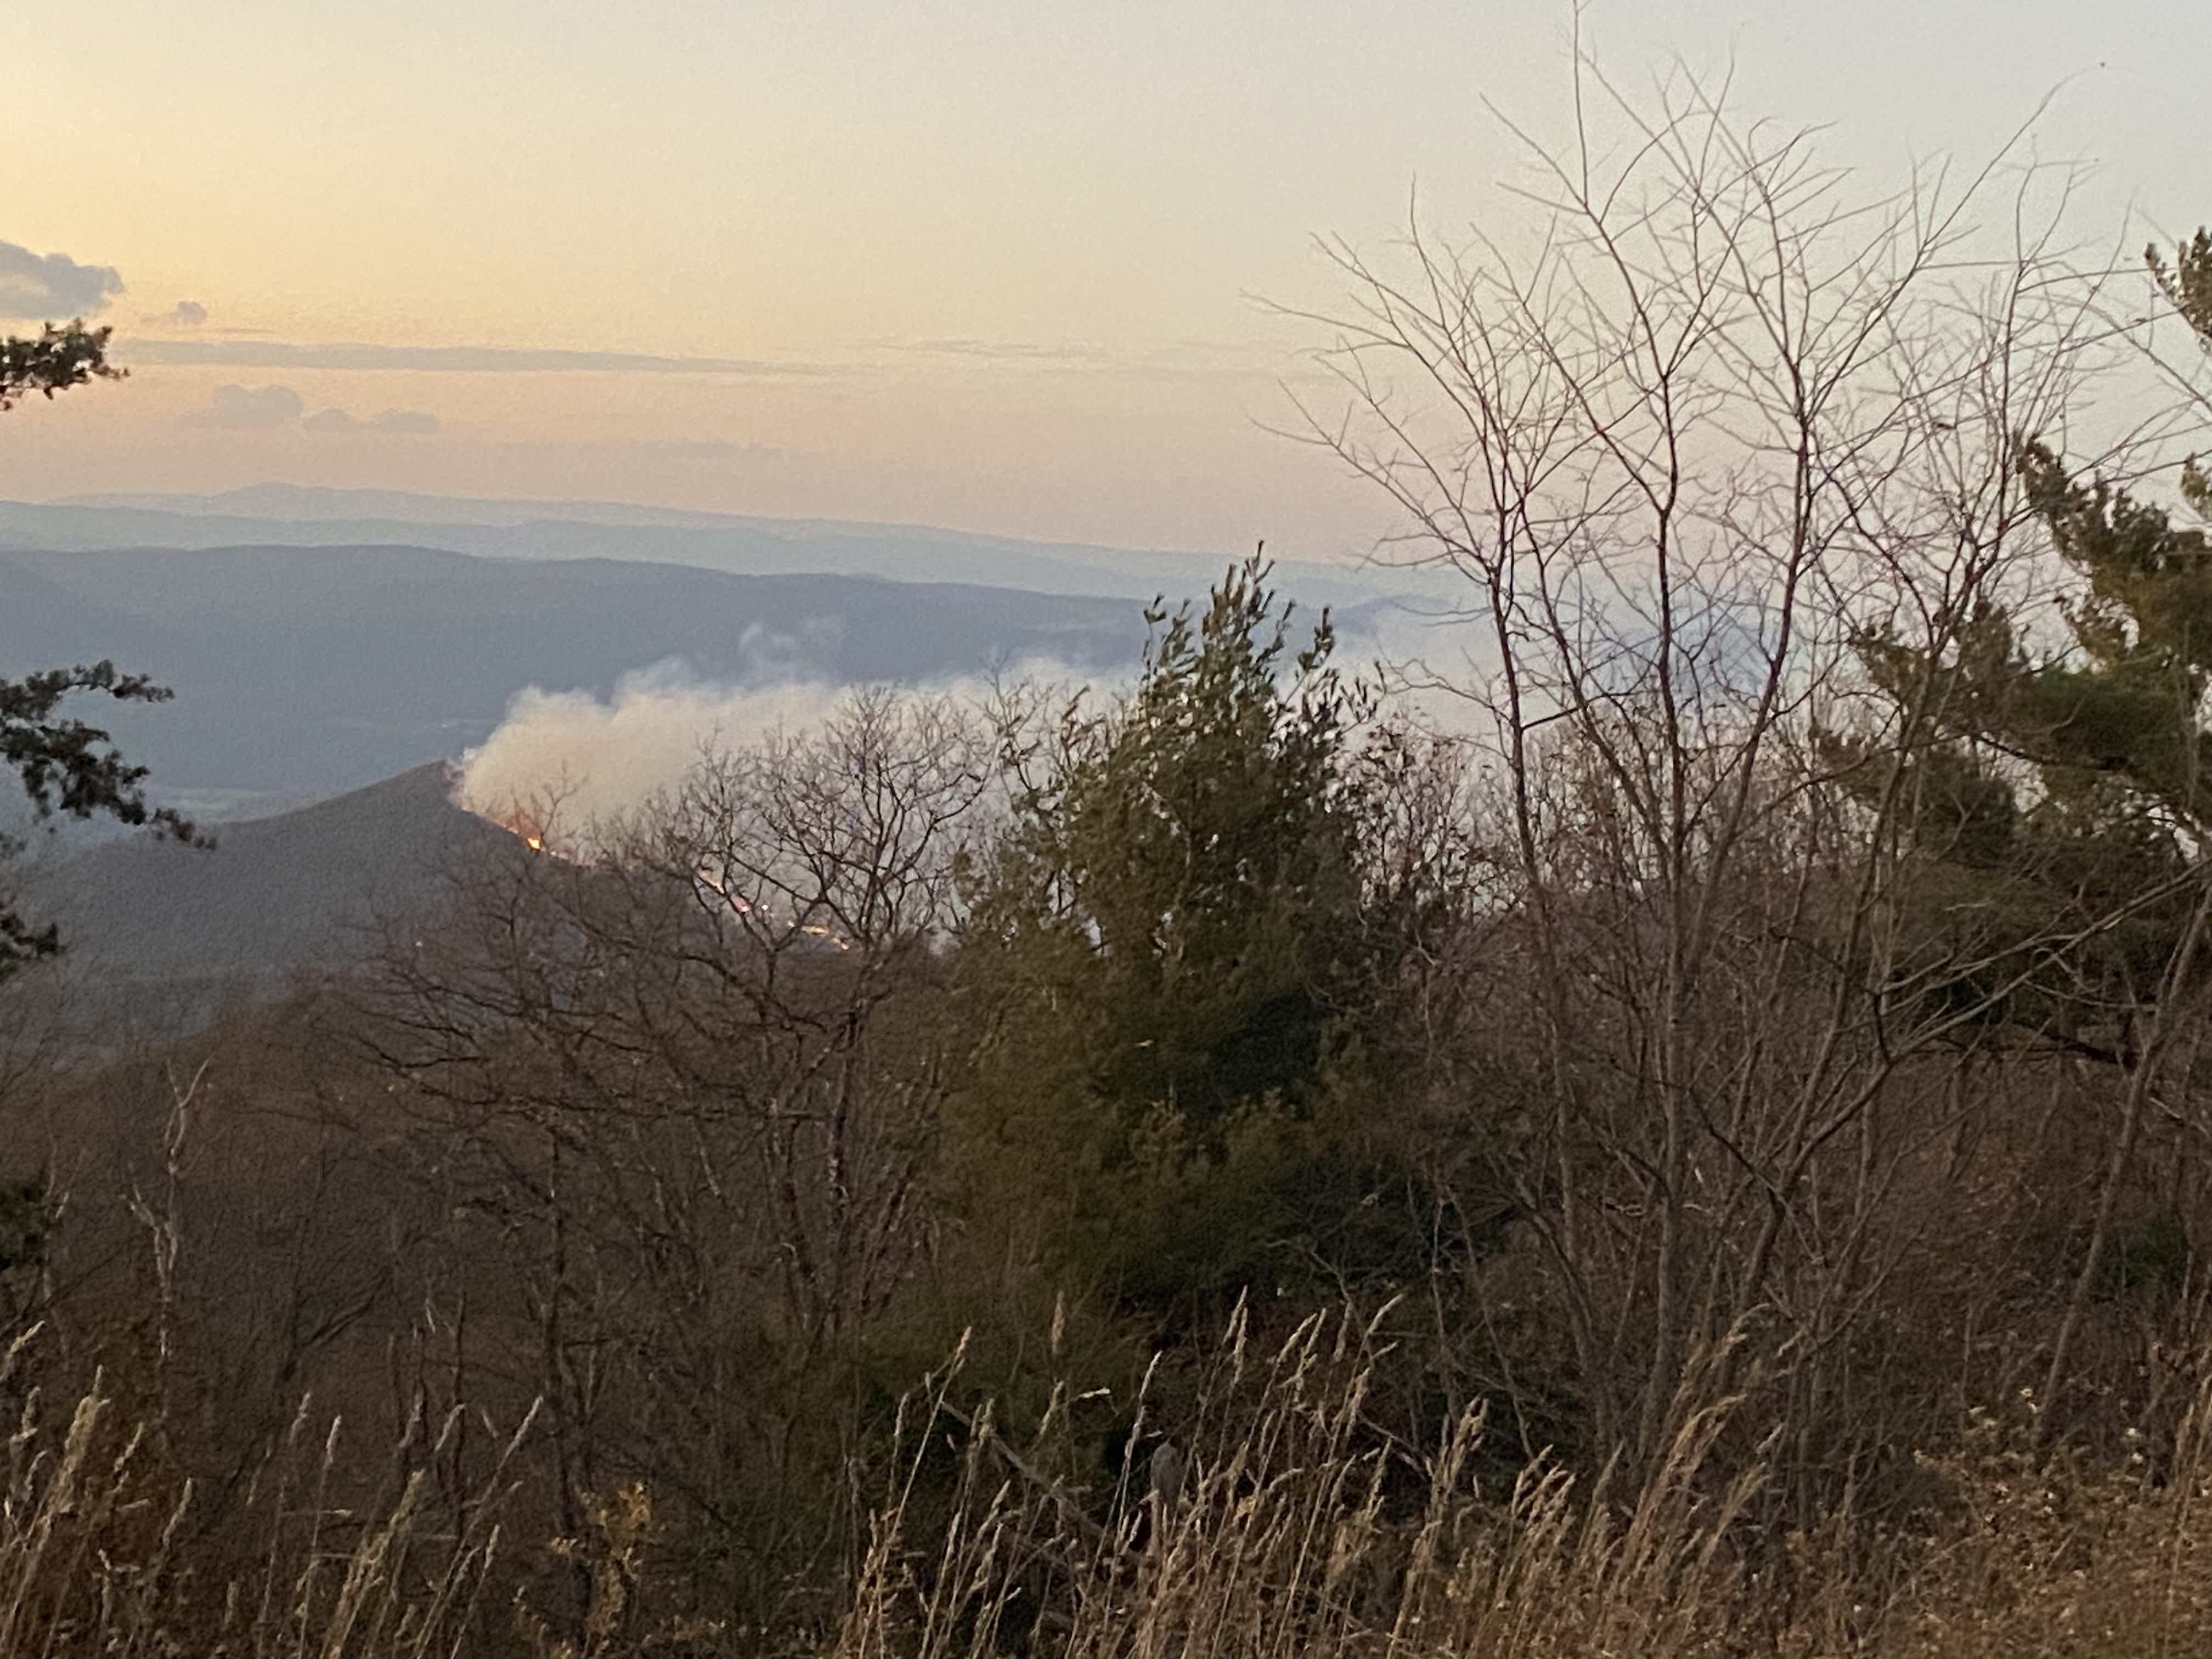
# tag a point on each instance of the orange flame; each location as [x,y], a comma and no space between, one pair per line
[518,823]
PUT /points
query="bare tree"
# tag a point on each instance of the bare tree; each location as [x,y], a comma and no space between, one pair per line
[681,1084]
[1721,427]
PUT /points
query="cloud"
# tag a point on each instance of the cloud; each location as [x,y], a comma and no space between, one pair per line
[705,449]
[261,408]
[249,408]
[185,313]
[1182,359]
[414,421]
[467,359]
[1008,352]
[47,286]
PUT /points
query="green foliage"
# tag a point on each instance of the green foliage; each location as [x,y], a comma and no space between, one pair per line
[2187,285]
[27,1219]
[2124,698]
[66,764]
[2121,700]
[69,765]
[1177,954]
[1201,845]
[2127,700]
[2056,788]
[61,356]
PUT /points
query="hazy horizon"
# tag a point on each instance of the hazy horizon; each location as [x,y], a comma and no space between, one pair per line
[1001,270]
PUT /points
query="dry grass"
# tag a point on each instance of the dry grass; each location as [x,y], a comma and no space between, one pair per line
[1288,1529]
[97,1552]
[1285,1543]
[2046,1556]
[1290,1535]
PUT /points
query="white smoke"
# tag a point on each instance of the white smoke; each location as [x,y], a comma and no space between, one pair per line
[594,759]
[584,759]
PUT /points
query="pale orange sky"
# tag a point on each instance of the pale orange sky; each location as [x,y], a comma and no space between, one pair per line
[985,265]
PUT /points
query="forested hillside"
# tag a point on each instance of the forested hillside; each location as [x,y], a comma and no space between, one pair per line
[1680,1128]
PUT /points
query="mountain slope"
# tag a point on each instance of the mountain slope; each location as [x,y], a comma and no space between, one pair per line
[149,921]
[301,671]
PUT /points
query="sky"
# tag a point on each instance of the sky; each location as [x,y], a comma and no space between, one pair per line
[1019,266]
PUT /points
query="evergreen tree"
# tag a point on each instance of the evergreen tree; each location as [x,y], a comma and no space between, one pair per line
[59,357]
[1199,844]
[1176,953]
[2060,788]
[63,763]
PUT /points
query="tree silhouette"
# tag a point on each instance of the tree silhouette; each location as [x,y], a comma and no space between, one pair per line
[66,764]
[58,359]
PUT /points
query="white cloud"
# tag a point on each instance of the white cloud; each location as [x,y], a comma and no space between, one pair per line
[464,360]
[414,421]
[51,285]
[263,408]
[706,449]
[249,408]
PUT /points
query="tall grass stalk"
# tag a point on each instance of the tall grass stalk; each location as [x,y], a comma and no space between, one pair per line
[96,1557]
[1298,1533]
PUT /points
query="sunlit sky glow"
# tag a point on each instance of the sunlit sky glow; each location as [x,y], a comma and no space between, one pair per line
[988,264]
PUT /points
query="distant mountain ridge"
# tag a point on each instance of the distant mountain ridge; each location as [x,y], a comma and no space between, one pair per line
[302,671]
[310,503]
[298,516]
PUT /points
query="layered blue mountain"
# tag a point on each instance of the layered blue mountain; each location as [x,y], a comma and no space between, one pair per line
[295,516]
[301,671]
